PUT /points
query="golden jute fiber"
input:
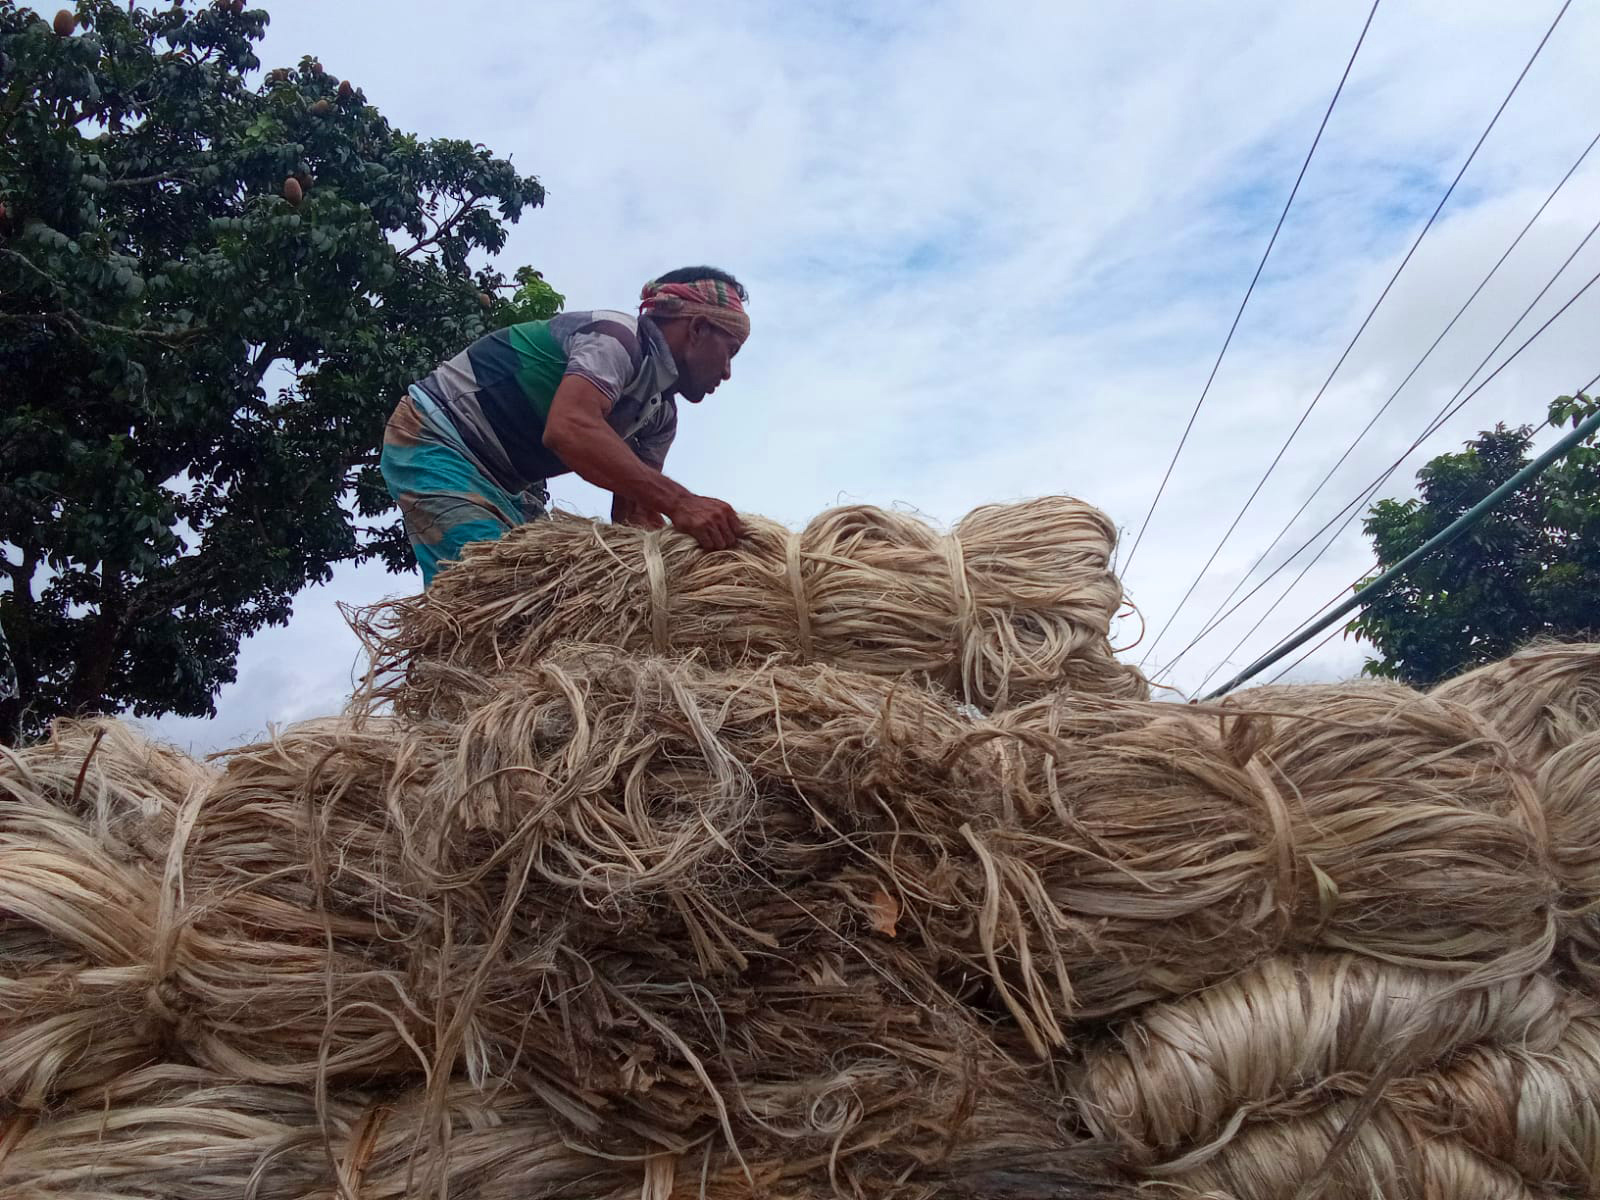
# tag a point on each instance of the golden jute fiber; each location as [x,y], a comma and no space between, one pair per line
[1541,699]
[180,1133]
[623,924]
[1510,1068]
[1390,1156]
[1569,793]
[606,834]
[1016,601]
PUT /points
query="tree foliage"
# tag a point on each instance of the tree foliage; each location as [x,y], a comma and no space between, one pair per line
[214,286]
[1529,569]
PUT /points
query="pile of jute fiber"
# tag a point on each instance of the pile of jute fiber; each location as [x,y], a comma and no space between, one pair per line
[1015,602]
[594,920]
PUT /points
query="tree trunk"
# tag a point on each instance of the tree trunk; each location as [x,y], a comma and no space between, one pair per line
[97,652]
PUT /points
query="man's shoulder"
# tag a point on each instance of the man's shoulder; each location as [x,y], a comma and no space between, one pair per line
[621,327]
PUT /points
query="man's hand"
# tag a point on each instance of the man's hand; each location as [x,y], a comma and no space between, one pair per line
[712,523]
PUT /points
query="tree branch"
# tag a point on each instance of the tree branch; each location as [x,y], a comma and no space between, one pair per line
[269,354]
[138,181]
[77,322]
[471,205]
[22,576]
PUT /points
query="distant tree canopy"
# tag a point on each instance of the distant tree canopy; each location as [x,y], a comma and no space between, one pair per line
[1530,568]
[173,227]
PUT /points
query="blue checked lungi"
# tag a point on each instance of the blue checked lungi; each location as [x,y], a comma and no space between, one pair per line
[446,497]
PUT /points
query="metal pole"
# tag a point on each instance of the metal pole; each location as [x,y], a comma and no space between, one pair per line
[1445,536]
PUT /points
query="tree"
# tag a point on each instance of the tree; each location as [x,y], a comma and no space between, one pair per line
[1529,569]
[213,289]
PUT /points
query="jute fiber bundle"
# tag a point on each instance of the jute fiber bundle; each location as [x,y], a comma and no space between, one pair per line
[111,955]
[1511,1068]
[83,819]
[1015,602]
[179,1133]
[1569,793]
[1541,699]
[1389,779]
[1368,819]
[126,786]
[1535,1109]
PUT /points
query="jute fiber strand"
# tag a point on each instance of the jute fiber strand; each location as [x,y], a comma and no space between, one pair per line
[1511,1068]
[1015,602]
[1391,1157]
[1541,698]
[178,1133]
[1569,793]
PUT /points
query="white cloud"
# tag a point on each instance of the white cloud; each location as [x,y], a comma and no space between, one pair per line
[993,252]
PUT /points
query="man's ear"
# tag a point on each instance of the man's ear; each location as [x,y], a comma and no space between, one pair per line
[699,328]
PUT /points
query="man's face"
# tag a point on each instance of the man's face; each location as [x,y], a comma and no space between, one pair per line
[708,360]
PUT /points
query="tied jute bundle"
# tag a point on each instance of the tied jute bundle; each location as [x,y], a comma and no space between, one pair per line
[179,1133]
[1511,1071]
[1540,699]
[126,786]
[1361,818]
[117,948]
[1016,602]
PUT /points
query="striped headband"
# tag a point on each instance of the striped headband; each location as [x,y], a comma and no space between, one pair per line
[709,298]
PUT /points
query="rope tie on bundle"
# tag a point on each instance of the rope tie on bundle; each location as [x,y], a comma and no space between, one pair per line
[655,567]
[797,588]
[965,617]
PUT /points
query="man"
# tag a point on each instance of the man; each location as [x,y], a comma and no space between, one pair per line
[466,454]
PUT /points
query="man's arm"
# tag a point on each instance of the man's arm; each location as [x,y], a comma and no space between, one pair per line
[577,432]
[626,512]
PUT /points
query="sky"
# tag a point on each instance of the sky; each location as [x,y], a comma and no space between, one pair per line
[993,252]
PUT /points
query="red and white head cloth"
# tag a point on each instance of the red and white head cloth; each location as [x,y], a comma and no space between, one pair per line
[708,298]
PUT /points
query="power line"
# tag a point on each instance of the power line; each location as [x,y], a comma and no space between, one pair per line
[1272,241]
[1277,458]
[1332,634]
[1586,389]
[1585,428]
[1211,622]
[1353,508]
[1450,409]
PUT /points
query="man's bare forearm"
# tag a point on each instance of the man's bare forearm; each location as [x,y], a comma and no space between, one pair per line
[578,432]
